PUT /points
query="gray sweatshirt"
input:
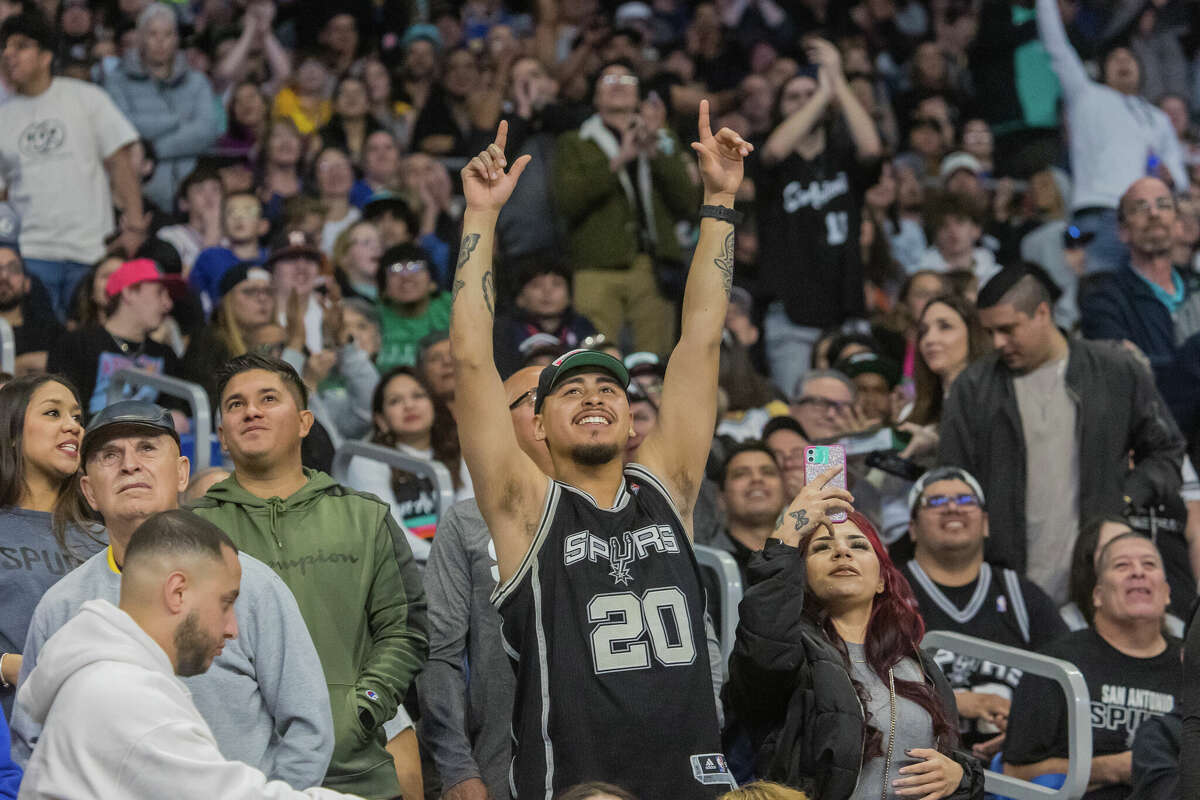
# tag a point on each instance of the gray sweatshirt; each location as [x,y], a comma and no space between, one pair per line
[31,561]
[264,697]
[466,719]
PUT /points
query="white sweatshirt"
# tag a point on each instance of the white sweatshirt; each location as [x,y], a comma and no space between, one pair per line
[1112,135]
[118,723]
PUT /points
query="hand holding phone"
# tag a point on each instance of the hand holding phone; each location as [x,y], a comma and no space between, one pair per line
[819,459]
[817,502]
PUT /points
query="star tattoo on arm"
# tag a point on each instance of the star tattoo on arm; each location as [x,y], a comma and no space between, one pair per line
[801,517]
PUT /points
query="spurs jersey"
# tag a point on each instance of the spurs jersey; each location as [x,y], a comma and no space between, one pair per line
[604,620]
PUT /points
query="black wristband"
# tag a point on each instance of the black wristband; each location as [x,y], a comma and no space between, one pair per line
[723,213]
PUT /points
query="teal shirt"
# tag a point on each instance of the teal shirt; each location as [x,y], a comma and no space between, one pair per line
[402,334]
[1172,300]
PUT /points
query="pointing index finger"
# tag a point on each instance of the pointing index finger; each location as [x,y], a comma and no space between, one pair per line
[705,127]
[502,134]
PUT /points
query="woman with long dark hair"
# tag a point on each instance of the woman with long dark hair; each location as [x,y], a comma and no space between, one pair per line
[828,675]
[40,430]
[949,337]
[409,417]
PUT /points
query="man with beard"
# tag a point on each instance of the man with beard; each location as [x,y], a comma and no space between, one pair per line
[27,312]
[116,721]
[601,595]
[263,699]
[1147,300]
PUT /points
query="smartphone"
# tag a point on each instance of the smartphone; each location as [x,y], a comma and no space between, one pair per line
[818,459]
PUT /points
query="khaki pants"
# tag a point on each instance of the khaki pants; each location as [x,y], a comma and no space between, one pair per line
[610,298]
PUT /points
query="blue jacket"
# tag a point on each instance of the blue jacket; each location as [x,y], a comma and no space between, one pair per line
[178,115]
[10,773]
[1120,305]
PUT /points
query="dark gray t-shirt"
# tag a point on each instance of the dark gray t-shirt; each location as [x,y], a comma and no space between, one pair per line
[31,561]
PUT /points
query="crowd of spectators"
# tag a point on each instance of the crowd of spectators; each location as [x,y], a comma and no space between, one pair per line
[967,250]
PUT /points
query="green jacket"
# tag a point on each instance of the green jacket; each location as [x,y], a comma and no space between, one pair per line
[353,575]
[400,335]
[601,222]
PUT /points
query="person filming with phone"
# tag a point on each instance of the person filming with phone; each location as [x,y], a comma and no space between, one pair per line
[827,615]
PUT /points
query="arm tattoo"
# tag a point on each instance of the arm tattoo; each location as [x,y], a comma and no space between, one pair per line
[469,243]
[489,291]
[724,263]
[801,518]
[458,284]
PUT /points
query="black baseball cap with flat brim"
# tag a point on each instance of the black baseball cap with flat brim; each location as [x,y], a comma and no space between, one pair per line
[575,362]
[126,418]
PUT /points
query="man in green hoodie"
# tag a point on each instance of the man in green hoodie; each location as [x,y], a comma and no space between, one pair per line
[339,551]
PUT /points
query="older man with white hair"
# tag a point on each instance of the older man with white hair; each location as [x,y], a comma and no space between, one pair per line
[168,102]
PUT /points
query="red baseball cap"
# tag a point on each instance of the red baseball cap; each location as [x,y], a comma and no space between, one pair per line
[131,273]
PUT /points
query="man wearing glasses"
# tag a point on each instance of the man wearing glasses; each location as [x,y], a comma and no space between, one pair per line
[621,184]
[958,591]
[823,402]
[412,305]
[1147,301]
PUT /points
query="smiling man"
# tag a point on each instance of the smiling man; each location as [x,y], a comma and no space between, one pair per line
[116,721]
[1132,672]
[1047,425]
[958,591]
[339,551]
[262,699]
[600,592]
[752,497]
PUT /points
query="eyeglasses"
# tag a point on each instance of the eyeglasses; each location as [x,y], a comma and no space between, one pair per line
[594,342]
[406,267]
[255,292]
[821,403]
[944,500]
[526,397]
[619,80]
[1141,207]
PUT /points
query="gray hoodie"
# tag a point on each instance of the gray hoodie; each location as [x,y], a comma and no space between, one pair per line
[178,115]
[263,698]
[118,723]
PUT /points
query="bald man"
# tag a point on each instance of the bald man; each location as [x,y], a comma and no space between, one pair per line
[116,721]
[1148,302]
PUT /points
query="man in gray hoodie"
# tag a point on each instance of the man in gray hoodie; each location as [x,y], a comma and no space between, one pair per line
[168,102]
[264,697]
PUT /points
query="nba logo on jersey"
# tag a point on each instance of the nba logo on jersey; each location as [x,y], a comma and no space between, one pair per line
[710,768]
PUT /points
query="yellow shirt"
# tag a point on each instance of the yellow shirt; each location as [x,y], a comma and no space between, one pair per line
[287,104]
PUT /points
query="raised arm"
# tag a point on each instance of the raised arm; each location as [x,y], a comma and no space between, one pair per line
[1066,62]
[862,127]
[677,449]
[509,487]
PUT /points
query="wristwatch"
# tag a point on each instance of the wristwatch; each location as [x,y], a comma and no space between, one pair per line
[723,213]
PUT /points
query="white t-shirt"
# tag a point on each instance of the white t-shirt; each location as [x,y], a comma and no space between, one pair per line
[52,151]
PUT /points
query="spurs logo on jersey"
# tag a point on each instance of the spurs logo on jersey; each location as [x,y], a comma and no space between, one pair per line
[620,552]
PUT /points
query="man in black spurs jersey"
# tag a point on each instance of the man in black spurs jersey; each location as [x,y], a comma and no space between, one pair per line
[600,593]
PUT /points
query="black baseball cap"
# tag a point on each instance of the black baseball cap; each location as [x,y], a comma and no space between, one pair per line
[126,418]
[870,363]
[577,361]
